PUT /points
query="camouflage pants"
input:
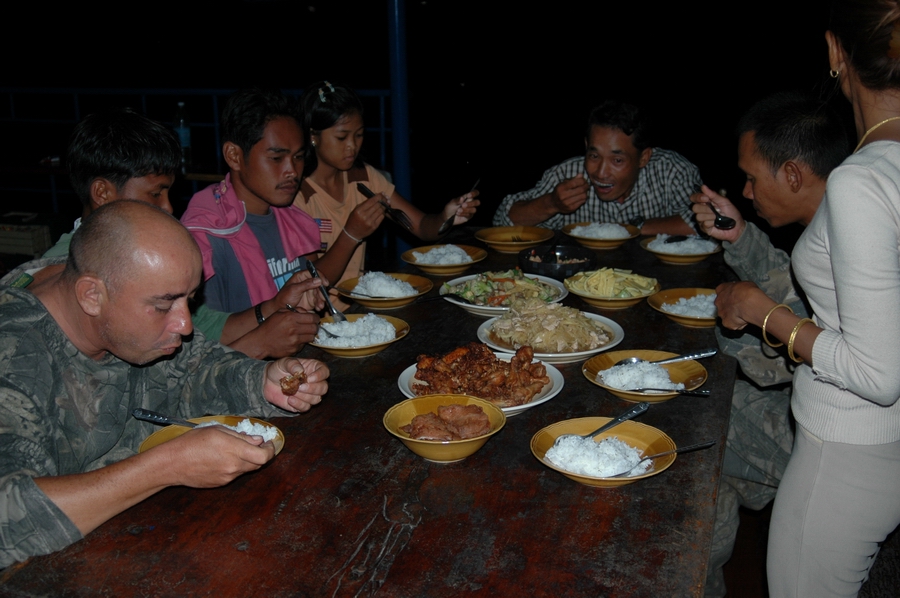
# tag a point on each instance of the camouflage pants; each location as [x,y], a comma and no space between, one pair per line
[760,437]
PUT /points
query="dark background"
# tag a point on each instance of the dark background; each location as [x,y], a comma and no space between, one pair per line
[499,91]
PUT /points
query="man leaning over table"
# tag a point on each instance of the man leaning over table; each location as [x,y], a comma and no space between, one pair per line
[620,179]
[82,348]
[788,144]
[120,154]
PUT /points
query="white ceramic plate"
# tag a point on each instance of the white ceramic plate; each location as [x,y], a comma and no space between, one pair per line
[490,311]
[484,335]
[550,390]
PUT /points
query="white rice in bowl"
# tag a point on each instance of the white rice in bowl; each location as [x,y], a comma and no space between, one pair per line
[698,306]
[638,375]
[366,331]
[690,246]
[597,230]
[379,284]
[245,426]
[601,459]
[443,255]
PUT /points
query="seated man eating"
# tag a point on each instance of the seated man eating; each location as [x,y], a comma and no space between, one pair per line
[620,179]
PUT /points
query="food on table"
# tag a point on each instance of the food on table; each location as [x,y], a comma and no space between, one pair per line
[691,246]
[605,230]
[698,306]
[548,328]
[474,370]
[601,459]
[290,384]
[366,331]
[379,284]
[451,422]
[443,255]
[638,375]
[245,426]
[572,260]
[613,283]
[499,289]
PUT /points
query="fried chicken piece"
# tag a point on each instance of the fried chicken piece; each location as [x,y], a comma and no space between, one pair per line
[290,384]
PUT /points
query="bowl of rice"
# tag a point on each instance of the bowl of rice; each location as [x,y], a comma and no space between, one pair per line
[587,461]
[238,423]
[444,260]
[682,375]
[387,290]
[690,251]
[597,235]
[691,307]
[611,288]
[513,239]
[361,335]
[440,451]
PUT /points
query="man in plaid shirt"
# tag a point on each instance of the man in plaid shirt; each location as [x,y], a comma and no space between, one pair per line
[621,179]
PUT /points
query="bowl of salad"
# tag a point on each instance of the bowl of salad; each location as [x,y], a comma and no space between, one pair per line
[489,294]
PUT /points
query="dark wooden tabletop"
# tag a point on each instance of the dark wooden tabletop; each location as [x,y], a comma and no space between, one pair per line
[347,510]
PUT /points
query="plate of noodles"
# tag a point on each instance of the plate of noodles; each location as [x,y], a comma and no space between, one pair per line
[611,288]
[562,337]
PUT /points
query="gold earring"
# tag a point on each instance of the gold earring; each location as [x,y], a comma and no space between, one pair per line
[834,74]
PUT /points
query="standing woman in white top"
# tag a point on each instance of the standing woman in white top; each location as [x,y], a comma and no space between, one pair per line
[333,124]
[840,495]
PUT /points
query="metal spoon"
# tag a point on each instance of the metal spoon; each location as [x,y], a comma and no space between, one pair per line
[675,239]
[684,449]
[631,413]
[336,314]
[686,357]
[159,418]
[721,222]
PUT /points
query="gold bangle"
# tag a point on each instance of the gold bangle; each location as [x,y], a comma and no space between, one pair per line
[766,321]
[791,340]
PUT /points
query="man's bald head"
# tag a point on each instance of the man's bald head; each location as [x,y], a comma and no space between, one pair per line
[114,238]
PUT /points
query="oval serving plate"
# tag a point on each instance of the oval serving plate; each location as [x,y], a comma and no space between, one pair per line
[407,380]
[489,310]
[618,334]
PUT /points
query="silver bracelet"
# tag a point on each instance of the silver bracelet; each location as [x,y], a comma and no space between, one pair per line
[346,232]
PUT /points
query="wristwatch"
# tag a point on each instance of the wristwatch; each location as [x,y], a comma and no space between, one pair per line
[637,221]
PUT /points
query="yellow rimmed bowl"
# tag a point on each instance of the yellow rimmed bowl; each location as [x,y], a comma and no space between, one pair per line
[605,302]
[476,253]
[595,243]
[421,284]
[670,296]
[437,451]
[171,432]
[401,328]
[690,373]
[646,439]
[677,259]
[513,239]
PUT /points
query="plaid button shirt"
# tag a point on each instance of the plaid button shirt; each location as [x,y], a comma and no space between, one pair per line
[663,188]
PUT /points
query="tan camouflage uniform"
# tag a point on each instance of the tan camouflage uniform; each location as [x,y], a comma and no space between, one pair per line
[760,435]
[62,412]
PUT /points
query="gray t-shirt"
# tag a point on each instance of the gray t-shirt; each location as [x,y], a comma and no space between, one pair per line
[227,289]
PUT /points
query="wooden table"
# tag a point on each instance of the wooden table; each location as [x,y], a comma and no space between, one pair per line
[347,510]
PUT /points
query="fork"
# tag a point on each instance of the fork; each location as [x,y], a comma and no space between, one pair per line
[320,327]
[337,315]
[398,216]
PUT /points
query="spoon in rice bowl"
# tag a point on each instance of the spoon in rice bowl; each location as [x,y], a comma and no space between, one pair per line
[631,413]
[684,449]
[686,357]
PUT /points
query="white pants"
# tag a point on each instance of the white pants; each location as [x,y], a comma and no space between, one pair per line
[835,505]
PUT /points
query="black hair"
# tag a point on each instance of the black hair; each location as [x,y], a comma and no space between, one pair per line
[792,126]
[248,111]
[118,145]
[869,32]
[324,104]
[627,118]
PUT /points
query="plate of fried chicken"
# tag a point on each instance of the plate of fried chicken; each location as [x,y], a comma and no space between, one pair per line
[514,383]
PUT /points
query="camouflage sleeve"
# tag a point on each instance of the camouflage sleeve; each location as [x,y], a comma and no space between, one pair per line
[755,259]
[209,378]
